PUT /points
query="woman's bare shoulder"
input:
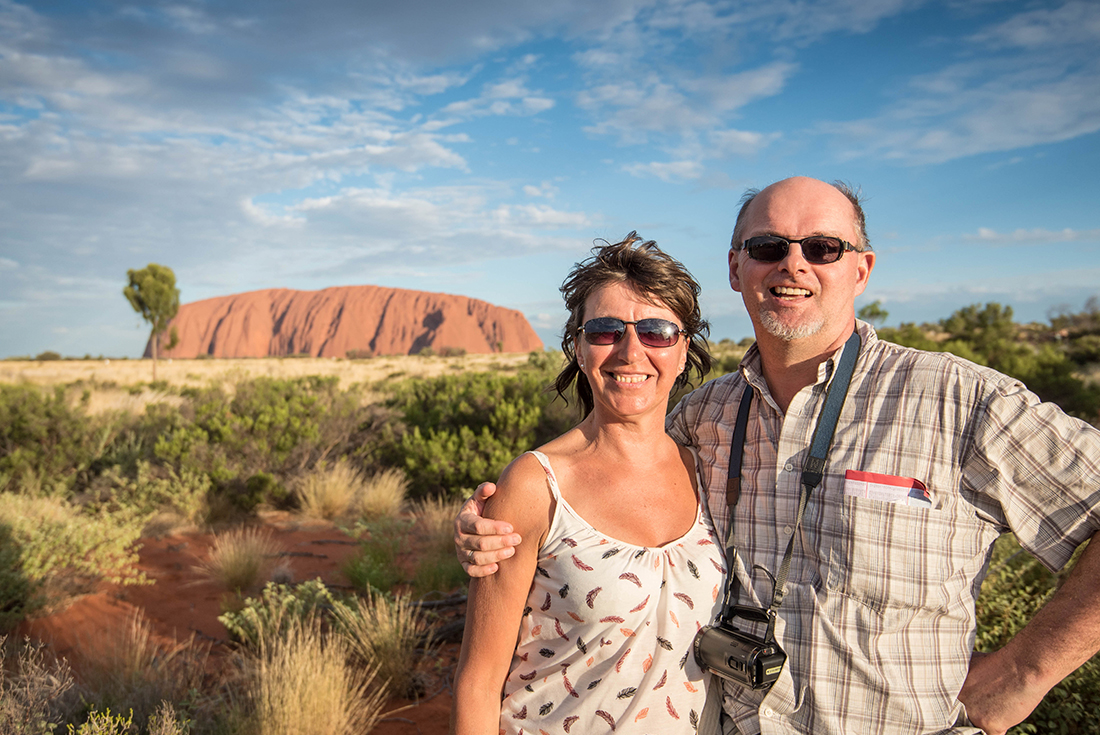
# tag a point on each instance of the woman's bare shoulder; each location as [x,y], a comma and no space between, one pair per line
[522,494]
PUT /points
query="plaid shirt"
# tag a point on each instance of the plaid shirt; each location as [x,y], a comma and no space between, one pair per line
[878,621]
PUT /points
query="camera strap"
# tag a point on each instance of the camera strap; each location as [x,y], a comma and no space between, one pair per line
[813,470]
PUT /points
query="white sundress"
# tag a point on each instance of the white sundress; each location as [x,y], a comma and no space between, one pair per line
[606,637]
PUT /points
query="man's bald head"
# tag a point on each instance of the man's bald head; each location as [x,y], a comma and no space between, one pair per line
[852,195]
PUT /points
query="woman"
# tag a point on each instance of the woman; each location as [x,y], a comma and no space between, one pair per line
[589,630]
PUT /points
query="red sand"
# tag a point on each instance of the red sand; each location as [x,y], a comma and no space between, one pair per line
[181,602]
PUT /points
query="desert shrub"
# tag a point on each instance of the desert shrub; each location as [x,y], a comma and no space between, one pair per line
[17,598]
[375,566]
[268,426]
[44,442]
[33,692]
[277,608]
[460,430]
[63,550]
[988,336]
[438,572]
[1016,587]
[47,356]
[104,723]
[241,558]
[159,489]
[302,683]
[388,634]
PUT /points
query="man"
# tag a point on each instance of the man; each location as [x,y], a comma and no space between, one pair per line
[878,614]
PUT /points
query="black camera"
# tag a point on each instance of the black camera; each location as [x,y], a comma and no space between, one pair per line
[742,658]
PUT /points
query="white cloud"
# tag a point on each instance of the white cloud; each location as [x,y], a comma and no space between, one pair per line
[7,264]
[545,189]
[671,172]
[539,215]
[506,97]
[1072,23]
[1033,236]
[264,216]
[1040,89]
[738,142]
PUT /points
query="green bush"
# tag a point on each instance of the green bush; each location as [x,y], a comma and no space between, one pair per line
[988,336]
[17,598]
[67,549]
[156,489]
[375,567]
[276,610]
[44,443]
[460,430]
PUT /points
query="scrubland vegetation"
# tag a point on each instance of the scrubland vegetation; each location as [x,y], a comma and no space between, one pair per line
[89,465]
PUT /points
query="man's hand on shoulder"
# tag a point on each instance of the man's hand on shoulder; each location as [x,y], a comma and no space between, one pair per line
[481,542]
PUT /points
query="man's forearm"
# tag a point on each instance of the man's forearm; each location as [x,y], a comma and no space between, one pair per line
[1065,633]
[1004,687]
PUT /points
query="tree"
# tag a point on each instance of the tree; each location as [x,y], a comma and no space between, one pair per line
[873,313]
[153,294]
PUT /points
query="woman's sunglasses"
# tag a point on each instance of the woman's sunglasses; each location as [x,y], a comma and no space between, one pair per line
[607,330]
[816,249]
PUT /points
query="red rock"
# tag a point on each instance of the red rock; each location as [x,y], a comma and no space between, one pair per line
[372,320]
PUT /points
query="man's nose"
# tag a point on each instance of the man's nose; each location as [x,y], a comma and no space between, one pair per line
[794,261]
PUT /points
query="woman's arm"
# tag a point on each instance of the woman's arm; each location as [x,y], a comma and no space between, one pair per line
[495,606]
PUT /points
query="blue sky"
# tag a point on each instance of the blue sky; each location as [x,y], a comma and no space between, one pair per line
[478,148]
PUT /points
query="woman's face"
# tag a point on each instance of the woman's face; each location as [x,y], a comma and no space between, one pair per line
[629,378]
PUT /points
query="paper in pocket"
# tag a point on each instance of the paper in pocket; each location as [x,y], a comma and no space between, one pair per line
[886,488]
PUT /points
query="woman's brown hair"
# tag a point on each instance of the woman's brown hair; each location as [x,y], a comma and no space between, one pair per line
[655,276]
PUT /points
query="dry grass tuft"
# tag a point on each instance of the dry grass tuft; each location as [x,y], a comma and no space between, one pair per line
[330,492]
[129,667]
[302,683]
[383,494]
[385,634]
[435,517]
[341,490]
[241,559]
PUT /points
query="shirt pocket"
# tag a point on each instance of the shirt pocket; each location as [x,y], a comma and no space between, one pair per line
[892,556]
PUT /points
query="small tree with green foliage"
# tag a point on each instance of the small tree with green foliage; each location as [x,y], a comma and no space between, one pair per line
[873,313]
[153,294]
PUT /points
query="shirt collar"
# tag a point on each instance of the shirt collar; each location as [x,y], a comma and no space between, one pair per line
[753,373]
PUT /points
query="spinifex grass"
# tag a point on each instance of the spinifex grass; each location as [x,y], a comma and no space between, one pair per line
[302,683]
[241,559]
[388,634]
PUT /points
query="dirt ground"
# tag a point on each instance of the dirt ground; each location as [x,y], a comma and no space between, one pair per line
[181,602]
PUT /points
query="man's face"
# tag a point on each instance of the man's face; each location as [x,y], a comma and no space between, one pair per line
[794,300]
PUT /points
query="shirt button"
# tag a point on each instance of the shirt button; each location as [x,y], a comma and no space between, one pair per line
[788,467]
[787,530]
[768,712]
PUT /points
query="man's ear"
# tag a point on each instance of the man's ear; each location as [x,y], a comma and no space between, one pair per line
[735,280]
[863,270]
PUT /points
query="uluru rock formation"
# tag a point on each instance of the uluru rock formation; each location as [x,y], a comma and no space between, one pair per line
[362,320]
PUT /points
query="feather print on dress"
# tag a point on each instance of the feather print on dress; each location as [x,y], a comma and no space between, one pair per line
[665,589]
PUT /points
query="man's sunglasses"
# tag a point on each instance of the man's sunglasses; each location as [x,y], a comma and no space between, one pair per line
[607,330]
[816,249]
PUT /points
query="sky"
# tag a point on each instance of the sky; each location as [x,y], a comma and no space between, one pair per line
[480,148]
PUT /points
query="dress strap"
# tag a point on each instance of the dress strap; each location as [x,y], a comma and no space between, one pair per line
[550,478]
